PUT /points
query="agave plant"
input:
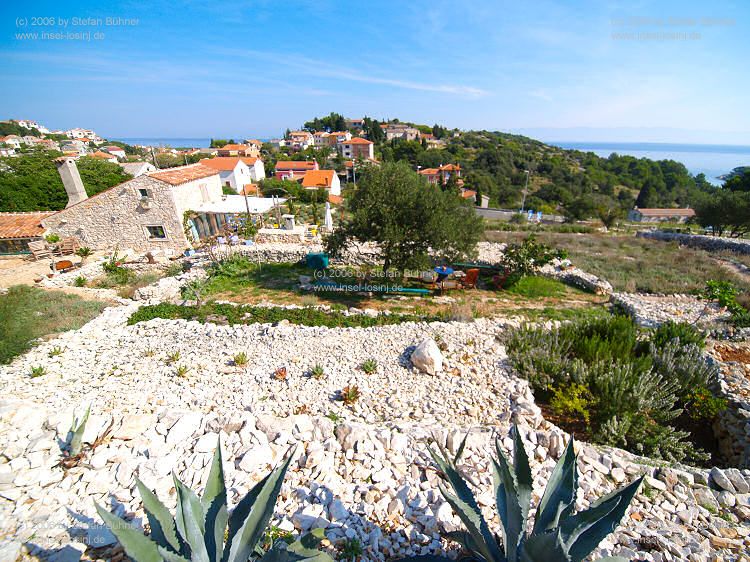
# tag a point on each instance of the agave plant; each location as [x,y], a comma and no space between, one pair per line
[204,531]
[558,535]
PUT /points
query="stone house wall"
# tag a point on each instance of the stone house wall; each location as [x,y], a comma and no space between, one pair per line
[117,217]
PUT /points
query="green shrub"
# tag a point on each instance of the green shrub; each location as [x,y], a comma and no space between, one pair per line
[317,372]
[240,359]
[573,400]
[52,238]
[520,260]
[629,391]
[703,406]
[685,334]
[534,287]
[38,371]
[80,281]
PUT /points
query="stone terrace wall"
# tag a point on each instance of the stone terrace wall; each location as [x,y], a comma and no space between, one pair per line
[710,243]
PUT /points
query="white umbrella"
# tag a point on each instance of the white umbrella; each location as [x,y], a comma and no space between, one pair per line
[329,218]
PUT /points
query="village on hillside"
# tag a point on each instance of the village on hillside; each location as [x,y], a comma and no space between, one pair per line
[369,341]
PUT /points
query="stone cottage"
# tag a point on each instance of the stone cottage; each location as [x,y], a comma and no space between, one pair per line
[146,213]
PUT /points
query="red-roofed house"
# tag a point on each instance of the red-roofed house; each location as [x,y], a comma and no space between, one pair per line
[444,173]
[322,179]
[99,155]
[250,150]
[236,172]
[18,229]
[300,140]
[115,151]
[293,169]
[357,148]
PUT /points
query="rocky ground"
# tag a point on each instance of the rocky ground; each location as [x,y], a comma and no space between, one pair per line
[361,471]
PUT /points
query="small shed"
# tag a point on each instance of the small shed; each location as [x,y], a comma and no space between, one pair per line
[18,229]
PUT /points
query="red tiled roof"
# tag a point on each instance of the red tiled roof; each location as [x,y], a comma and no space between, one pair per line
[234,147]
[22,225]
[468,193]
[183,174]
[102,155]
[357,140]
[222,163]
[295,165]
[335,199]
[666,212]
[318,178]
[249,160]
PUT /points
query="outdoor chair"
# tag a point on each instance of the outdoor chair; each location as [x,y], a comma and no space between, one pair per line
[470,280]
[40,250]
[68,246]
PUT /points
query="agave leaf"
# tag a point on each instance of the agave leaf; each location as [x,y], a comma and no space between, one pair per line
[583,531]
[76,432]
[136,544]
[524,481]
[559,496]
[612,559]
[544,547]
[464,539]
[214,502]
[306,547]
[163,527]
[508,507]
[461,448]
[471,516]
[426,558]
[170,556]
[242,509]
[247,536]
[190,521]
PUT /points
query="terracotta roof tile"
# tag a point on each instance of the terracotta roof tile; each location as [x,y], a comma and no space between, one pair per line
[667,212]
[183,174]
[221,163]
[318,178]
[295,165]
[357,140]
[22,225]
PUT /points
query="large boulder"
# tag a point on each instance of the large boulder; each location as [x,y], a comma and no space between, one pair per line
[427,357]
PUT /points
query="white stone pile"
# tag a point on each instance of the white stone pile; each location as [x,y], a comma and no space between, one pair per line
[653,310]
[361,471]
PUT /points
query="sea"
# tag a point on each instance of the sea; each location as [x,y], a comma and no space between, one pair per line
[713,160]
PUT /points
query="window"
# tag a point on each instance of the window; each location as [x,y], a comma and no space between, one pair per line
[156,233]
[144,193]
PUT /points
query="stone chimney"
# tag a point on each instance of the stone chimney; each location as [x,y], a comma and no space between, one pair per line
[66,166]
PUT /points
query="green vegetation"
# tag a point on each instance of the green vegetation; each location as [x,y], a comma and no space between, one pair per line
[537,287]
[370,366]
[38,371]
[203,529]
[80,281]
[268,315]
[240,359]
[619,387]
[349,549]
[635,264]
[726,209]
[525,259]
[349,394]
[30,313]
[30,182]
[558,534]
[317,372]
[75,434]
[725,293]
[406,216]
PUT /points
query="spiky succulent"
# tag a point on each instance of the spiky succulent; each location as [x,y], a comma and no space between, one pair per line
[75,434]
[204,531]
[558,535]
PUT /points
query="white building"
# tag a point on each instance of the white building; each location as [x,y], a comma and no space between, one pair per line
[136,169]
[12,141]
[115,151]
[79,133]
[237,172]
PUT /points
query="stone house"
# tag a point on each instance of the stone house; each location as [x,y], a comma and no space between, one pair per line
[18,229]
[136,169]
[250,150]
[146,213]
[660,215]
[442,174]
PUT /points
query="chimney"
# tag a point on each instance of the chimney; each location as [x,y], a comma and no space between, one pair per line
[66,166]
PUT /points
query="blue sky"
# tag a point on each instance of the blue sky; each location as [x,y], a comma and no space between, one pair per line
[252,68]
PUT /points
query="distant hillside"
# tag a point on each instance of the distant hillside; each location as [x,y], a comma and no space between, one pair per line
[736,172]
[578,184]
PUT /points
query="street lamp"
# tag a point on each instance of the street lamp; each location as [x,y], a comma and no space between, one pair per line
[525,187]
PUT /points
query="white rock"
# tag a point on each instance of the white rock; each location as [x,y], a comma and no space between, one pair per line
[427,357]
[206,443]
[183,429]
[258,458]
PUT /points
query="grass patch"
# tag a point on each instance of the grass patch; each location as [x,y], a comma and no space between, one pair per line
[126,282]
[243,314]
[635,264]
[29,313]
[533,287]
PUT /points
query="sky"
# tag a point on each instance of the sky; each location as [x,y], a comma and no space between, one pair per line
[578,70]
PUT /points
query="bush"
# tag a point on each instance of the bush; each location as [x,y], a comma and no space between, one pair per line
[629,391]
[684,333]
[703,406]
[80,281]
[572,400]
[521,260]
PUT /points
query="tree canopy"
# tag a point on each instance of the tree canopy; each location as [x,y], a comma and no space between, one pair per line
[408,218]
[30,182]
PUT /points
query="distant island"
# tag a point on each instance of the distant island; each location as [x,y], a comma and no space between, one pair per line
[738,171]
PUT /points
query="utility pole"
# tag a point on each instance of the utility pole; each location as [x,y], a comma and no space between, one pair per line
[154,157]
[523,201]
